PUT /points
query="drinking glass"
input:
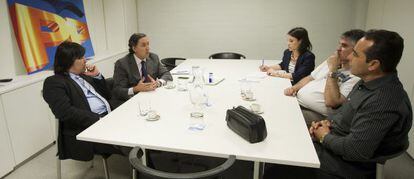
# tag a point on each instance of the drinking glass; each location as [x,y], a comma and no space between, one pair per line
[144,107]
[198,98]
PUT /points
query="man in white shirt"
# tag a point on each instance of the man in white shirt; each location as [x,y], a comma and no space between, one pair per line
[328,85]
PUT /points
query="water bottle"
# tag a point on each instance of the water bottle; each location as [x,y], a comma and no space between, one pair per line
[210,77]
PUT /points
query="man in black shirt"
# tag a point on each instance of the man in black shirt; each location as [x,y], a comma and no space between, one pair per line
[375,120]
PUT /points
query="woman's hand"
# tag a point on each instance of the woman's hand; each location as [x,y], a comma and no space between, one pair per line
[264,68]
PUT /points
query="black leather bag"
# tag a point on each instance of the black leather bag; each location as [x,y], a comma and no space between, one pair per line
[246,124]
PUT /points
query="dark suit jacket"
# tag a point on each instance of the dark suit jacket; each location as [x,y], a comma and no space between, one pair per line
[304,65]
[126,75]
[70,106]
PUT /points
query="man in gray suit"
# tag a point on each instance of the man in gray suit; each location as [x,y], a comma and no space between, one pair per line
[138,71]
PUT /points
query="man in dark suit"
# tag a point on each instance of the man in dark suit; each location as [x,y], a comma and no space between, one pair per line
[78,97]
[372,124]
[138,71]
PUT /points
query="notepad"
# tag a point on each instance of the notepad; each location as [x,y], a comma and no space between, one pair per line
[256,75]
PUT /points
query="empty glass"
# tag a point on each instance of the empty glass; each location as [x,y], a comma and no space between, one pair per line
[246,90]
[144,107]
[182,83]
[199,99]
[169,85]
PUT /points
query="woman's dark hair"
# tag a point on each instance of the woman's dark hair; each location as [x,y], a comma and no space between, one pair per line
[387,48]
[133,41]
[301,34]
[66,54]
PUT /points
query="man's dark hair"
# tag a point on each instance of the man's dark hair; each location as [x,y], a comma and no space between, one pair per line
[66,54]
[353,35]
[133,41]
[300,33]
[388,47]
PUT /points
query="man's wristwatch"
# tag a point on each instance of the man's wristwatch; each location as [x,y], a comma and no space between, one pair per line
[323,137]
[333,74]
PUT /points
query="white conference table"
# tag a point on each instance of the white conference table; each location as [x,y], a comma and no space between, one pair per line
[287,142]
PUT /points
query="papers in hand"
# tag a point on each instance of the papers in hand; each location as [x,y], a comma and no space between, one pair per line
[181,71]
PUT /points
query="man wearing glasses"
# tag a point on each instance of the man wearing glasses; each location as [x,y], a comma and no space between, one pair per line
[328,85]
[372,125]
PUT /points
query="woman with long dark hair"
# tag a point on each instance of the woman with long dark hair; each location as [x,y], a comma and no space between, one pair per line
[298,60]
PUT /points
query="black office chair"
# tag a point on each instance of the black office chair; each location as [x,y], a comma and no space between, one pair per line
[109,84]
[227,55]
[170,63]
[135,160]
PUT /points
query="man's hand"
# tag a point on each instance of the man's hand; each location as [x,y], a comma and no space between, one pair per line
[141,86]
[320,132]
[264,68]
[156,83]
[334,62]
[291,91]
[91,70]
[316,125]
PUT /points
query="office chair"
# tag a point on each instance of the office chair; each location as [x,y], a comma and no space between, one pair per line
[381,162]
[58,162]
[170,63]
[227,55]
[109,84]
[135,160]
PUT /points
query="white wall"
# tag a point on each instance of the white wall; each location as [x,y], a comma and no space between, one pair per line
[396,15]
[257,29]
[11,62]
[110,24]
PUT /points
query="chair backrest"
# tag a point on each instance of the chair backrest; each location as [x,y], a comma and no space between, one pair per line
[227,55]
[382,159]
[135,156]
[109,83]
[170,62]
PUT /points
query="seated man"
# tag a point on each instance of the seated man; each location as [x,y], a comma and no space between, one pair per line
[138,71]
[77,96]
[373,122]
[327,86]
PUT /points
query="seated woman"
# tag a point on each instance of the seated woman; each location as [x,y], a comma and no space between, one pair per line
[298,60]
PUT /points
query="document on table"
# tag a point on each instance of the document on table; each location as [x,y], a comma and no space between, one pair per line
[180,71]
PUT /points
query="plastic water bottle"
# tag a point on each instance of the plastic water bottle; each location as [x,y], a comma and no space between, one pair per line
[210,77]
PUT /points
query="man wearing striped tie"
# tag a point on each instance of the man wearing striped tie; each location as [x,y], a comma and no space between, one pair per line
[78,97]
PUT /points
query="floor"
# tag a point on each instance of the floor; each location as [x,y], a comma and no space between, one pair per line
[43,166]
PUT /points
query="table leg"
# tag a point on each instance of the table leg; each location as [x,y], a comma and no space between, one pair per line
[144,157]
[258,170]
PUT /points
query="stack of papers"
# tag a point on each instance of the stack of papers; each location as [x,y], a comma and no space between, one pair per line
[180,71]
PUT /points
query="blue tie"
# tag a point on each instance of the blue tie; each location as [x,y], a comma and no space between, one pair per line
[144,72]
